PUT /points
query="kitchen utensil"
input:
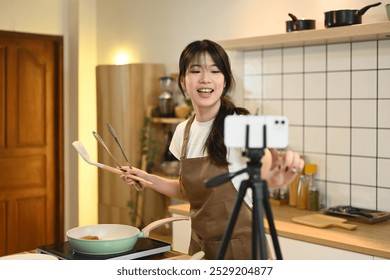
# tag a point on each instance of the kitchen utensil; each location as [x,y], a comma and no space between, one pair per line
[323,221]
[166,104]
[137,185]
[113,238]
[299,24]
[167,84]
[361,215]
[85,156]
[166,98]
[346,17]
[101,141]
[114,135]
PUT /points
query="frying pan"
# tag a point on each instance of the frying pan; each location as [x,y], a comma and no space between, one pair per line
[113,238]
[346,17]
[296,24]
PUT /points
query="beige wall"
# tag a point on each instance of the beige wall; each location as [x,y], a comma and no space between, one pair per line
[156,31]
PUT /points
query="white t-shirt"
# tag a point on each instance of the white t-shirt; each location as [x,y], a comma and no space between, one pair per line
[198,135]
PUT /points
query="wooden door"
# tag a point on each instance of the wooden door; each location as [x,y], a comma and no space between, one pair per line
[31,183]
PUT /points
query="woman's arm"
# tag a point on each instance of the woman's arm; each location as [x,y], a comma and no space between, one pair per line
[162,185]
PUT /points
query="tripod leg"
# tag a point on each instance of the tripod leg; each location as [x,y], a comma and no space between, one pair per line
[232,221]
[268,211]
[258,222]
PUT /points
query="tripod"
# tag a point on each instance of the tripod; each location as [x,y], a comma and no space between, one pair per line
[260,201]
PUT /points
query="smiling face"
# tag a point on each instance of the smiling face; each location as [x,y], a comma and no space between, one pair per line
[204,83]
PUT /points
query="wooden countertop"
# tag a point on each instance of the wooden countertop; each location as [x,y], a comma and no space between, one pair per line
[369,239]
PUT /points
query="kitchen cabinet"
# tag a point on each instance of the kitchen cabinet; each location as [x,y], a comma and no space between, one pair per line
[300,242]
[124,94]
[181,235]
[300,250]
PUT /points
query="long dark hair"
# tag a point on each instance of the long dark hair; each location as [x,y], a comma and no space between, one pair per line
[214,144]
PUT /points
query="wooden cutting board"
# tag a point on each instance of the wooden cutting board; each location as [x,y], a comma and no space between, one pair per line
[323,221]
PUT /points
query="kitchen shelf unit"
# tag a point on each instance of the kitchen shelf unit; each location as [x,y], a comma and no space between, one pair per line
[160,120]
[162,126]
[344,34]
[124,93]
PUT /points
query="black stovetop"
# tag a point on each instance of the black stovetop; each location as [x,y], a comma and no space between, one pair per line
[143,248]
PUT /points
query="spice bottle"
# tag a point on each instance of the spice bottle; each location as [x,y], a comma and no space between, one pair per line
[313,203]
[293,191]
[302,192]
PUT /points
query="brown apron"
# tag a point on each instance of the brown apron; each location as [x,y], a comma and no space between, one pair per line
[210,209]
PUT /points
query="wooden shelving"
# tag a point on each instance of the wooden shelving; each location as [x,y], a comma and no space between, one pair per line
[167,120]
[352,33]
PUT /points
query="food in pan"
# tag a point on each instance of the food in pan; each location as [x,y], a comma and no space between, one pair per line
[90,237]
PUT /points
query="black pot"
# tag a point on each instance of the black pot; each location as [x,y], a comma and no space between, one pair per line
[346,17]
[299,24]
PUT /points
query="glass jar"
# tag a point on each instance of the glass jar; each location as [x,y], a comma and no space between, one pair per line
[293,191]
[313,202]
[302,195]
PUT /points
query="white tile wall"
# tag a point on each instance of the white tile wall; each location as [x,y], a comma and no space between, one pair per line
[315,86]
[364,84]
[339,57]
[337,99]
[338,85]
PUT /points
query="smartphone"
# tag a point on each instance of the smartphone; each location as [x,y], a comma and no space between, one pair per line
[248,131]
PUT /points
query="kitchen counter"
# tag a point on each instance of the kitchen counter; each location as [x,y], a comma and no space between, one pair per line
[369,239]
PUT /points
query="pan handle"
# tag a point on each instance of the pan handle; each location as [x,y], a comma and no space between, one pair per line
[293,17]
[364,9]
[145,231]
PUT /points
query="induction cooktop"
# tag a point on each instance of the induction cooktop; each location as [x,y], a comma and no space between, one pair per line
[143,248]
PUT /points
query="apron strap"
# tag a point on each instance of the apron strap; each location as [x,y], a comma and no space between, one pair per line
[186,137]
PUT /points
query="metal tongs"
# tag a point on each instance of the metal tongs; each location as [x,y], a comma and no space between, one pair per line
[137,184]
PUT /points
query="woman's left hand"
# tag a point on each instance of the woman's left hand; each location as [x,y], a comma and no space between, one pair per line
[284,167]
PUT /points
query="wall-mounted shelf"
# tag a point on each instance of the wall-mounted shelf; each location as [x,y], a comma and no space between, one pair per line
[344,34]
[167,120]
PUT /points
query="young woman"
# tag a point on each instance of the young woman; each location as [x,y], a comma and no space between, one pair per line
[206,78]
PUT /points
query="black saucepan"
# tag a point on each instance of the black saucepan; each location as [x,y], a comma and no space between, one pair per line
[299,24]
[346,17]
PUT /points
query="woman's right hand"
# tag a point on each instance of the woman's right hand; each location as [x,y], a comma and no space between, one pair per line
[133,175]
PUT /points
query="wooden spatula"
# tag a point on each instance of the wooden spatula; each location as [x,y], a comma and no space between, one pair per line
[323,221]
